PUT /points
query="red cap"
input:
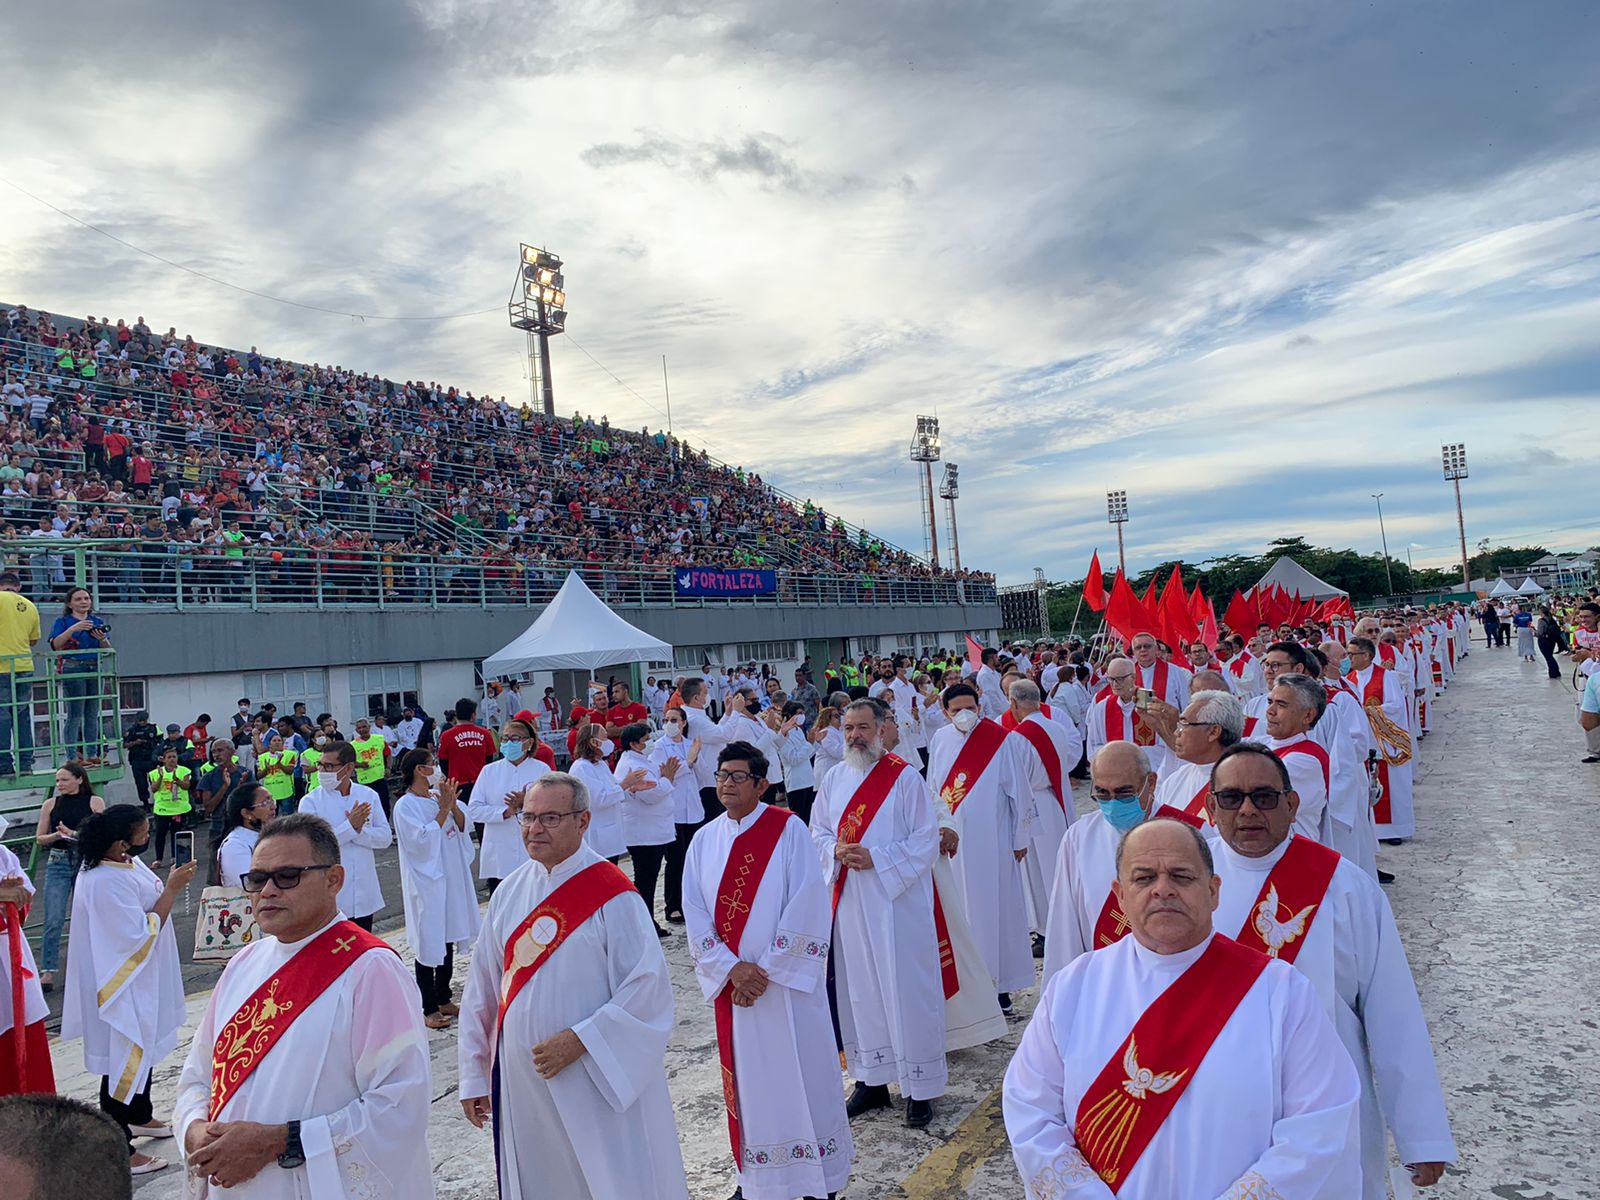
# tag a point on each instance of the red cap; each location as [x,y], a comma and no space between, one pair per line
[527,716]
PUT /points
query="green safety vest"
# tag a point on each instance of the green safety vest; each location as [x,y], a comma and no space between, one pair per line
[369,758]
[169,790]
[276,772]
[309,760]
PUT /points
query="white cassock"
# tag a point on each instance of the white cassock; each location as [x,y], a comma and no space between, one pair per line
[1354,958]
[352,1069]
[1402,821]
[646,814]
[604,1127]
[1244,675]
[361,895]
[1176,688]
[1180,782]
[1343,732]
[686,807]
[441,903]
[124,994]
[887,982]
[1048,819]
[904,693]
[1270,1111]
[791,1104]
[1095,732]
[502,851]
[34,1007]
[991,699]
[1305,776]
[829,753]
[992,823]
[1085,868]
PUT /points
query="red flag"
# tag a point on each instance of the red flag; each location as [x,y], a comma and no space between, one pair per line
[1126,613]
[1241,615]
[1207,621]
[1177,625]
[974,653]
[1150,597]
[1094,587]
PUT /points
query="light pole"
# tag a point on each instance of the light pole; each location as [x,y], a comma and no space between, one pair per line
[1387,573]
[1455,470]
[538,306]
[925,449]
[950,492]
[1041,590]
[1117,514]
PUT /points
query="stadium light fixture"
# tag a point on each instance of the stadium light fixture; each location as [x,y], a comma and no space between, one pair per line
[538,307]
[1454,455]
[1117,514]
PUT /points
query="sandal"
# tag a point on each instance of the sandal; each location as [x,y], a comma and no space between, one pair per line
[450,1010]
[436,1021]
[156,1129]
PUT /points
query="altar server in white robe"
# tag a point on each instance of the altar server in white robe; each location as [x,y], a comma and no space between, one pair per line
[124,994]
[759,934]
[575,1079]
[441,903]
[26,1026]
[877,835]
[987,681]
[496,799]
[337,1105]
[1389,733]
[1053,750]
[358,822]
[980,773]
[1249,1094]
[1294,705]
[1333,922]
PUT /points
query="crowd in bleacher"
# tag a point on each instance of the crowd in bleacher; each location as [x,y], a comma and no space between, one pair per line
[212,470]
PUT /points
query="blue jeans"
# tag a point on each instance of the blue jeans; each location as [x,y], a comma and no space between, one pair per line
[16,712]
[60,872]
[80,738]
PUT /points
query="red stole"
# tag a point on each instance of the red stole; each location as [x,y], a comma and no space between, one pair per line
[1141,1084]
[541,933]
[1289,900]
[1143,735]
[982,744]
[1010,723]
[12,917]
[1372,694]
[1250,724]
[1197,806]
[1315,751]
[863,807]
[748,859]
[1040,741]
[255,1028]
[1158,678]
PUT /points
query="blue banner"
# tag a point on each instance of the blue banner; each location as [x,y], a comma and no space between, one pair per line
[719,581]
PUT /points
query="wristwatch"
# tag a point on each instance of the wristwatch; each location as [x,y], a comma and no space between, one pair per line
[294,1154]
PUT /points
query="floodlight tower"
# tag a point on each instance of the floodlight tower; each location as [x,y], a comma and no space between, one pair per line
[925,450]
[538,307]
[1042,593]
[950,492]
[1455,470]
[1117,514]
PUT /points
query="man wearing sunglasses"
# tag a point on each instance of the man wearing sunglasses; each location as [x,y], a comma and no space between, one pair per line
[1309,907]
[568,945]
[317,1030]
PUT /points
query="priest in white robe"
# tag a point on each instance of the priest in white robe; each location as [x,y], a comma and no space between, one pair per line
[1294,705]
[496,799]
[308,1076]
[1341,935]
[991,800]
[991,695]
[1114,717]
[1342,730]
[24,1043]
[759,933]
[1211,722]
[1053,750]
[877,835]
[1168,680]
[574,1078]
[1389,734]
[1251,1096]
[440,901]
[360,825]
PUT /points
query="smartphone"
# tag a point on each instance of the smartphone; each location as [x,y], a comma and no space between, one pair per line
[183,847]
[1143,698]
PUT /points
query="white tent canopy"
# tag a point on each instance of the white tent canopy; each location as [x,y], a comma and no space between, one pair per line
[1503,588]
[1530,588]
[1295,580]
[576,632]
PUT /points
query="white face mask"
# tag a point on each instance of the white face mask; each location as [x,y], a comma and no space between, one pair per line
[966,720]
[328,779]
[606,747]
[674,729]
[433,775]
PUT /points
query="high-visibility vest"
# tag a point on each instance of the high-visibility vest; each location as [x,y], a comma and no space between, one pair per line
[276,772]
[369,758]
[169,791]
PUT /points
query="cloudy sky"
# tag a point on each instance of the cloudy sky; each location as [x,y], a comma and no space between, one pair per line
[1250,262]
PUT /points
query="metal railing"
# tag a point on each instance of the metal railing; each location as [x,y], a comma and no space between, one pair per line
[58,706]
[181,576]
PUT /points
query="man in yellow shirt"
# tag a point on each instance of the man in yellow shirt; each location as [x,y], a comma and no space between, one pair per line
[372,761]
[19,630]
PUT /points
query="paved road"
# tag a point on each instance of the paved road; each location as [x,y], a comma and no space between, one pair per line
[1491,904]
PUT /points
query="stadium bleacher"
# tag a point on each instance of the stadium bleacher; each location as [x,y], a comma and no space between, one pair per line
[185,473]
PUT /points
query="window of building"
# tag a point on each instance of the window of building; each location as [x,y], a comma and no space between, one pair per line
[386,689]
[286,688]
[766,652]
[692,658]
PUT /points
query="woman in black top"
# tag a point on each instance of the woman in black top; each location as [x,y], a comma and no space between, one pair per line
[63,814]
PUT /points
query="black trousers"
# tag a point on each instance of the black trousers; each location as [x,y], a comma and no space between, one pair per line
[710,803]
[1547,648]
[136,1111]
[491,884]
[161,829]
[800,802]
[363,922]
[141,780]
[381,786]
[647,862]
[434,982]
[672,888]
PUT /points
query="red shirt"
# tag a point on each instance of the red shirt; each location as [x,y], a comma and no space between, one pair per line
[463,751]
[626,714]
[579,712]
[544,754]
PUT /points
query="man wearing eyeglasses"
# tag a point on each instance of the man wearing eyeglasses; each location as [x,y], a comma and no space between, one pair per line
[1178,1062]
[310,1066]
[1213,721]
[567,945]
[1116,716]
[1310,907]
[760,929]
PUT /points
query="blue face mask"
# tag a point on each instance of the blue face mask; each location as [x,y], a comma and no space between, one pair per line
[513,750]
[1123,814]
[1344,665]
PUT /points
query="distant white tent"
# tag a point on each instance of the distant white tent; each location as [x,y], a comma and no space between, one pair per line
[1530,588]
[1295,580]
[576,632]
[1503,588]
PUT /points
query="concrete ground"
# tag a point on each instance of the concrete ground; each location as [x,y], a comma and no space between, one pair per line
[1490,900]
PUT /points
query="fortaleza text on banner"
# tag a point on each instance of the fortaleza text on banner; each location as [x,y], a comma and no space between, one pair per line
[718,581]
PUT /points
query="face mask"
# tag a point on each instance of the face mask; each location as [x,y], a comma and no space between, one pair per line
[1344,665]
[966,720]
[607,747]
[328,780]
[514,750]
[433,775]
[1123,814]
[674,729]
[140,848]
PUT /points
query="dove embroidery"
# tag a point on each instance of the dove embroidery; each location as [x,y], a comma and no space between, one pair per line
[1141,1080]
[1276,934]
